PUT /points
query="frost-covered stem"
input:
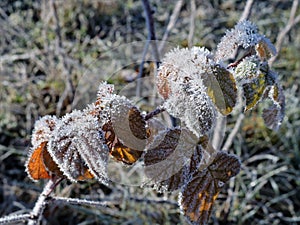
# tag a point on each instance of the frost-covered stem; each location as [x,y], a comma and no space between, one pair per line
[37,212]
[155,112]
[233,133]
[76,201]
[12,219]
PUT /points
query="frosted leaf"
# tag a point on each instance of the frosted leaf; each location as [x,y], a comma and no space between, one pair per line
[221,88]
[247,70]
[273,116]
[100,108]
[197,198]
[200,114]
[181,66]
[125,132]
[39,165]
[117,149]
[244,34]
[247,34]
[105,92]
[227,46]
[254,90]
[265,49]
[168,158]
[78,149]
[43,129]
[171,67]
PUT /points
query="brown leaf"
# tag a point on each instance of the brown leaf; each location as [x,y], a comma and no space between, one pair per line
[125,132]
[197,197]
[170,159]
[273,116]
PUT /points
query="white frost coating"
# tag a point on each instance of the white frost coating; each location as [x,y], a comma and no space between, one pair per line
[182,70]
[43,129]
[201,115]
[77,146]
[247,70]
[247,34]
[244,34]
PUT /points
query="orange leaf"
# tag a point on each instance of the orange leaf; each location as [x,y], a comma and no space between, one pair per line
[35,166]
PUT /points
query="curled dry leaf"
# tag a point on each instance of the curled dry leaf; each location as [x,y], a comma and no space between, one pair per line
[197,197]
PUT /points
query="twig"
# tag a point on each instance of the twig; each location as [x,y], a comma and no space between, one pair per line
[150,39]
[282,34]
[151,29]
[37,212]
[155,112]
[192,23]
[171,23]
[77,201]
[247,10]
[14,218]
[153,201]
[233,133]
[69,89]
[219,132]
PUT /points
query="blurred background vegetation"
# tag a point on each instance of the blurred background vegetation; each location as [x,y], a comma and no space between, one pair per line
[46,48]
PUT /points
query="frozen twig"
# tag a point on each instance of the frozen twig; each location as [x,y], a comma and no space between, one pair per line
[76,201]
[12,219]
[293,20]
[37,212]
